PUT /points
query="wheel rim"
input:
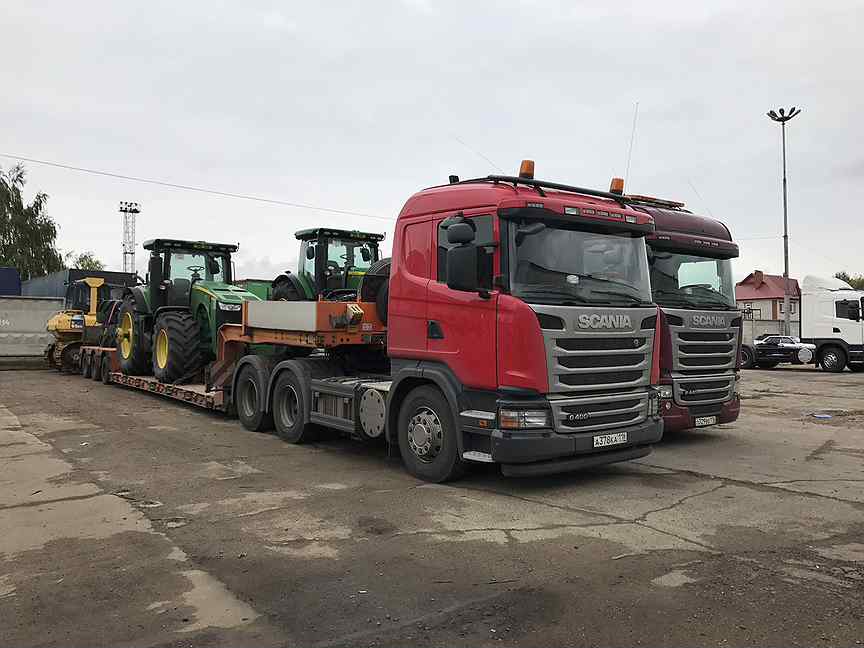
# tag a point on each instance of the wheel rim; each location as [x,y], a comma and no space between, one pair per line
[289,406]
[830,360]
[124,334]
[249,399]
[425,434]
[162,349]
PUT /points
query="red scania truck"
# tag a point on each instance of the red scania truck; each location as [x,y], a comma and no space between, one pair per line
[519,329]
[700,325]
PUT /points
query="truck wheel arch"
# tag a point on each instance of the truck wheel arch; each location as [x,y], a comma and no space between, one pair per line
[416,376]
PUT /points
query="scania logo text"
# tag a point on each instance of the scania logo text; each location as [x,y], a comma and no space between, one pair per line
[597,321]
[713,321]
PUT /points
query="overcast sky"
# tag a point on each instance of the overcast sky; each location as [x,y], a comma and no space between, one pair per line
[356,105]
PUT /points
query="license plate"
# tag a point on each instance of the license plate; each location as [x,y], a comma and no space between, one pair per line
[702,421]
[604,440]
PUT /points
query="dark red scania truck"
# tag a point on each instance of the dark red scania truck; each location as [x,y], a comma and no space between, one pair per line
[700,325]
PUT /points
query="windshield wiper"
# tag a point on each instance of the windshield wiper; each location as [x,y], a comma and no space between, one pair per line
[633,298]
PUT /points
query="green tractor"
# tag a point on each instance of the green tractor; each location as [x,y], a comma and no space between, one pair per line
[169,324]
[331,265]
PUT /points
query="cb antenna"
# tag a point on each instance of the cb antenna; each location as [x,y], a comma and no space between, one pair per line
[632,141]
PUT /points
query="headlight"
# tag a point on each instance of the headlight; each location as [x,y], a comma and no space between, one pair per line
[229,307]
[509,419]
[654,404]
[665,391]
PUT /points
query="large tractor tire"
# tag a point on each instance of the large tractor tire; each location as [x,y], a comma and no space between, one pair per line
[285,289]
[176,346]
[131,344]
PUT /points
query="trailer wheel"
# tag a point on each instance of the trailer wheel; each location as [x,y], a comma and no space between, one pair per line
[833,359]
[249,400]
[746,357]
[85,365]
[95,367]
[289,410]
[427,436]
[105,372]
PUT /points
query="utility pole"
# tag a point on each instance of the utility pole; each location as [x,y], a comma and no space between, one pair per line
[782,118]
[129,210]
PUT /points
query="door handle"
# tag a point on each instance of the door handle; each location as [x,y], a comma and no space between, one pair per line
[434,330]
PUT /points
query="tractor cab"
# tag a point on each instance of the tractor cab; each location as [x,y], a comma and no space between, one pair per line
[176,266]
[331,265]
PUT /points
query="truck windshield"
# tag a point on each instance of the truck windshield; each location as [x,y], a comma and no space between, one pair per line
[209,266]
[691,281]
[554,265]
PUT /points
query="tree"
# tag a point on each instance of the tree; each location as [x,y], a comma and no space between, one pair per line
[857,282]
[27,233]
[83,261]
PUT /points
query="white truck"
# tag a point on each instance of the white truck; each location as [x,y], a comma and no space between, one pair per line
[831,320]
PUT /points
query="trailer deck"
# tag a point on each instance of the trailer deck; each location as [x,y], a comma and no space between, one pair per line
[196,394]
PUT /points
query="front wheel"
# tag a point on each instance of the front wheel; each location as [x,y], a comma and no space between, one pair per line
[833,359]
[428,436]
[176,352]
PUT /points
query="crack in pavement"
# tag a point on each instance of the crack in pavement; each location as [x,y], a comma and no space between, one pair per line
[71,498]
[768,487]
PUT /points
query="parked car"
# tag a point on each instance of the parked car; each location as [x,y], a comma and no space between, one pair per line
[767,351]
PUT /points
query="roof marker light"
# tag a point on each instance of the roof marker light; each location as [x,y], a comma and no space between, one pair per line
[526,169]
[617,186]
[573,211]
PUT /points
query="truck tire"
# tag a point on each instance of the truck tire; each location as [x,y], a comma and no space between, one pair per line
[86,370]
[427,436]
[747,357]
[105,371]
[767,364]
[95,367]
[832,359]
[176,350]
[131,345]
[289,410]
[249,400]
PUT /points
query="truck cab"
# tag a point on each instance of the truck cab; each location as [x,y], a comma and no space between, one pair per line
[831,321]
[700,325]
[528,304]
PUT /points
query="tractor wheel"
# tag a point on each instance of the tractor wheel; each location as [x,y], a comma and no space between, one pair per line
[285,291]
[134,355]
[176,346]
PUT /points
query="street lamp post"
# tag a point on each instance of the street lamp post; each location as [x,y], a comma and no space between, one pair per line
[782,118]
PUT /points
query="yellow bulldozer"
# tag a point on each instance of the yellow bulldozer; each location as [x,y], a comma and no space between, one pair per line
[86,300]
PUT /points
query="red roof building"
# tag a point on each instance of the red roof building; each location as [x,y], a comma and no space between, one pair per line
[763,294]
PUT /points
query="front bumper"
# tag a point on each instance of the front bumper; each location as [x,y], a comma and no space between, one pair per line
[544,452]
[677,418]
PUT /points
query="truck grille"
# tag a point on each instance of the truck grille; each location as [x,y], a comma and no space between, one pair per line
[586,364]
[590,413]
[592,359]
[704,360]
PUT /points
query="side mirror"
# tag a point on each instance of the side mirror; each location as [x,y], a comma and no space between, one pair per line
[459,234]
[366,254]
[310,252]
[462,270]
